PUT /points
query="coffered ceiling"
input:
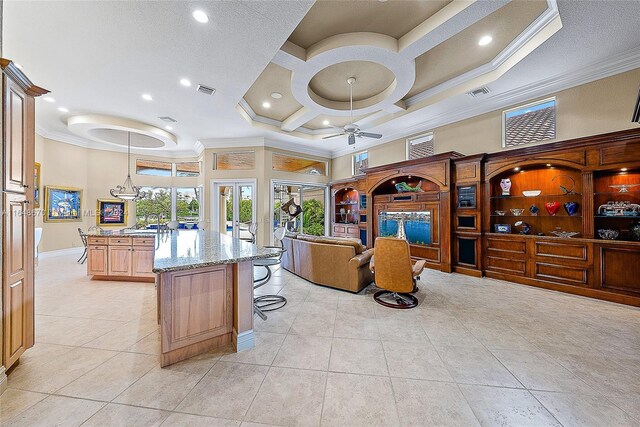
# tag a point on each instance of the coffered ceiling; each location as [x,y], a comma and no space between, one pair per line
[404,56]
[414,62]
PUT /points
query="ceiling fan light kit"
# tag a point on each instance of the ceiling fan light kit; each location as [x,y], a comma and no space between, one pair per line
[353,130]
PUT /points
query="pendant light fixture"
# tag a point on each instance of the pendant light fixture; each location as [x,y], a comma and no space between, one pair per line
[127,191]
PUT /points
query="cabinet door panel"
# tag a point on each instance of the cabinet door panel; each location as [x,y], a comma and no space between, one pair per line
[142,262]
[119,261]
[97,260]
[17,279]
[16,149]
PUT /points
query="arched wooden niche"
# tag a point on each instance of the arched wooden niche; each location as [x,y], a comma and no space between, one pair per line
[433,201]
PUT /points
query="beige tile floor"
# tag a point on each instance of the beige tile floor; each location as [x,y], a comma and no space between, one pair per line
[475,352]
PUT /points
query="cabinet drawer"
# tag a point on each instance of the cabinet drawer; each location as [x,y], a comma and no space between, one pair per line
[506,265]
[144,241]
[341,229]
[515,248]
[119,241]
[561,273]
[98,240]
[562,251]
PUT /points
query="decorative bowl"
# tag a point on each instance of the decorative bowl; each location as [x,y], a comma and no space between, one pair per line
[501,213]
[516,212]
[608,234]
[531,193]
[564,234]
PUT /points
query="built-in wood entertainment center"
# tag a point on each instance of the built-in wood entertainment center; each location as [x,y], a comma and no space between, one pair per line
[562,216]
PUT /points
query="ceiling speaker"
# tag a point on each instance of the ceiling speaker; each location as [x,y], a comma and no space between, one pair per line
[636,111]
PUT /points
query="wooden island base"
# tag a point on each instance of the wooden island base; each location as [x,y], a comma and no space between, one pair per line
[205,308]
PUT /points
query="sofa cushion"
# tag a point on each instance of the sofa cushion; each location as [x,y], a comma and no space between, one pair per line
[344,241]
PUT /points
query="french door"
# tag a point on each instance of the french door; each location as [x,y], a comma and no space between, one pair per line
[233,207]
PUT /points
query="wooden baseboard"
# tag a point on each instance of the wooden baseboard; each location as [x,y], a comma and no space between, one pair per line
[467,271]
[183,353]
[124,278]
[569,289]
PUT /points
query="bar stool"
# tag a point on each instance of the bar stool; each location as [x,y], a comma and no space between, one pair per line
[271,302]
[83,238]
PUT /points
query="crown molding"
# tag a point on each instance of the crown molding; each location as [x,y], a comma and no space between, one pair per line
[611,66]
[541,22]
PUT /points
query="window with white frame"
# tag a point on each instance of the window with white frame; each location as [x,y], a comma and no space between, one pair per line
[359,162]
[420,146]
[529,123]
[163,204]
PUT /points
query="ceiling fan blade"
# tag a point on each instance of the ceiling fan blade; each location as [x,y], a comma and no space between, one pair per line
[352,139]
[333,136]
[370,135]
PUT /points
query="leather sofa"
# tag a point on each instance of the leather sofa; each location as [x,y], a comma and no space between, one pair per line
[338,262]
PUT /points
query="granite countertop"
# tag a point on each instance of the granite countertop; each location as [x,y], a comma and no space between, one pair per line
[189,249]
[124,232]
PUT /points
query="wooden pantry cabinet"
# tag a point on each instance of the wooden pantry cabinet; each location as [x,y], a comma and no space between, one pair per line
[122,258]
[18,148]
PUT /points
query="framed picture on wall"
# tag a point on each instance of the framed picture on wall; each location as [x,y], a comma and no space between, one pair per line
[36,185]
[62,204]
[111,212]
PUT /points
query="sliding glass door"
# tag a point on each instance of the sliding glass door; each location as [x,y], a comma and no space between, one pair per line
[299,207]
[233,207]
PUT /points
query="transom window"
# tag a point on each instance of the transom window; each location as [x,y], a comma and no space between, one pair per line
[526,124]
[420,146]
[359,162]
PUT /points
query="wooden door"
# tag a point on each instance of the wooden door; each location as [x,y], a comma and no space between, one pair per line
[97,261]
[142,262]
[17,279]
[119,261]
[18,137]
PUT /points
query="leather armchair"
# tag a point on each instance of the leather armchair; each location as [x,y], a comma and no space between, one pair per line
[395,273]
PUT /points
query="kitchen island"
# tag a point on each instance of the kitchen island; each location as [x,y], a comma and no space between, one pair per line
[121,255]
[205,292]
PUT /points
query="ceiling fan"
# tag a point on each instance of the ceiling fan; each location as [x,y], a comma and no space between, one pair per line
[353,130]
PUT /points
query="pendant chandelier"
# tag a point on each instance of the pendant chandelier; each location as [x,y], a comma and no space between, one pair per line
[127,191]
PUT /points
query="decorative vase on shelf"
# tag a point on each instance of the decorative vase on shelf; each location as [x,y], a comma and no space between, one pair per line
[571,208]
[552,207]
[635,231]
[505,184]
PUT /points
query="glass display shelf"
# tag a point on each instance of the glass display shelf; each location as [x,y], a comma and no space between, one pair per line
[618,193]
[618,216]
[346,204]
[536,197]
[538,216]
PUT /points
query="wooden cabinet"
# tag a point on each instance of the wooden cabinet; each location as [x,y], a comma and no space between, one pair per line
[97,260]
[142,261]
[18,146]
[121,257]
[119,261]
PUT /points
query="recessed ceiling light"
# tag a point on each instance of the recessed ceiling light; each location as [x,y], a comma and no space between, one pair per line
[517,168]
[168,128]
[548,165]
[276,95]
[62,109]
[17,65]
[485,40]
[147,97]
[185,82]
[266,104]
[624,169]
[200,16]
[325,122]
[49,99]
